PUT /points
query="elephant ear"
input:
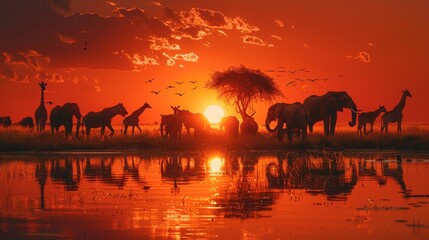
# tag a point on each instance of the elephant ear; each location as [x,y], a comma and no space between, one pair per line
[277,110]
[334,100]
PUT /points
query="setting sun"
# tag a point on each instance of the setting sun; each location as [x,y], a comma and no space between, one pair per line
[214,113]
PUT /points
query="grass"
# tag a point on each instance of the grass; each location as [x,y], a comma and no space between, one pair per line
[18,139]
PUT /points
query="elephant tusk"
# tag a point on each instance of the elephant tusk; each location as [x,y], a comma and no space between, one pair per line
[355,111]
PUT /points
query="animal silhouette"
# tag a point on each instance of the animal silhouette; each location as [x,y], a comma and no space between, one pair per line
[249,127]
[133,119]
[41,115]
[171,126]
[63,116]
[230,125]
[368,117]
[103,118]
[27,122]
[5,121]
[197,121]
[396,114]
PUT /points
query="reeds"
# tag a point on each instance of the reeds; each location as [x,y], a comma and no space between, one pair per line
[18,139]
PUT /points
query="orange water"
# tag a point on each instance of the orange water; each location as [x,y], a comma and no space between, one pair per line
[248,195]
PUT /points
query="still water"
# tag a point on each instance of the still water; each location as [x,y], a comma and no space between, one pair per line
[248,195]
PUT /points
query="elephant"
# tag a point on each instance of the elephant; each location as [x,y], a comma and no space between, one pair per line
[230,124]
[294,115]
[248,127]
[324,108]
[171,125]
[63,116]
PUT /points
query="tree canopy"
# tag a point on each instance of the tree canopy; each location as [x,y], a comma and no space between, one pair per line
[243,87]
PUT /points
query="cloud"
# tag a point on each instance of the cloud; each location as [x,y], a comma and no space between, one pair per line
[67,40]
[276,37]
[49,77]
[187,57]
[111,3]
[371,44]
[162,44]
[253,40]
[362,57]
[279,23]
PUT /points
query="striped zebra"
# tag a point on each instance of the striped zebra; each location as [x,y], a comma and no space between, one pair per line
[396,114]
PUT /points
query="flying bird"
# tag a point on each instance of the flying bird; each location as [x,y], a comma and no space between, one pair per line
[155,92]
[325,79]
[179,83]
[194,88]
[342,75]
[289,83]
[179,94]
[169,87]
[193,82]
[150,80]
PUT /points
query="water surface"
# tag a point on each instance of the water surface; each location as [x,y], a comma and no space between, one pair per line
[249,195]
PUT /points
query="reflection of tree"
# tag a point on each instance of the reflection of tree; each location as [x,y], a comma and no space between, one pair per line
[101,169]
[41,176]
[248,198]
[62,172]
[321,173]
[181,169]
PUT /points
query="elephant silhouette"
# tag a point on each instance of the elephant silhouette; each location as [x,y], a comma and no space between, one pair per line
[249,127]
[230,125]
[103,118]
[27,122]
[324,108]
[63,116]
[171,125]
[294,115]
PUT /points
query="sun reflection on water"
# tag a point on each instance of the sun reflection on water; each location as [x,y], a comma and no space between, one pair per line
[216,164]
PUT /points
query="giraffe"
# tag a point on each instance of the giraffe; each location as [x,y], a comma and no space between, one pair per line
[41,115]
[368,117]
[133,119]
[396,114]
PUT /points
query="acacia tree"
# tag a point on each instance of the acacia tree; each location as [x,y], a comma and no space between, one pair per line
[243,87]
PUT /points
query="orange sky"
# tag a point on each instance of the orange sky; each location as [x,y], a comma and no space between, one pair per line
[371,49]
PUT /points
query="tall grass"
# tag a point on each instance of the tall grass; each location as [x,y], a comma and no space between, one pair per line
[18,139]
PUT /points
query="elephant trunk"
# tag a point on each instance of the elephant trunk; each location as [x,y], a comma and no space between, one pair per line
[267,126]
[353,110]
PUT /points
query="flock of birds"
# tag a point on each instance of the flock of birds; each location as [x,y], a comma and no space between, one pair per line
[292,83]
[178,83]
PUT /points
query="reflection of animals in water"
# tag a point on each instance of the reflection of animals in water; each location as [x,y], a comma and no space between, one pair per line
[133,119]
[5,121]
[249,127]
[197,121]
[103,118]
[230,125]
[41,115]
[295,116]
[63,116]
[368,117]
[324,108]
[27,122]
[171,125]
[396,114]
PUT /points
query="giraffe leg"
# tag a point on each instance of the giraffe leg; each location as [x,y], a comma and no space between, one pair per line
[132,131]
[371,128]
[139,129]
[125,129]
[359,130]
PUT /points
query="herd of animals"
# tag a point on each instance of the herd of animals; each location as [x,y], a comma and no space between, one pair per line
[292,119]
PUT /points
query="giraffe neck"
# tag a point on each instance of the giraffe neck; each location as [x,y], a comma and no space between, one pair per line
[377,112]
[139,111]
[42,98]
[401,104]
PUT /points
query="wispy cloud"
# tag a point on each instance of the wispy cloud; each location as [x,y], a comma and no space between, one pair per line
[162,44]
[187,57]
[253,40]
[66,40]
[276,37]
[279,22]
[361,56]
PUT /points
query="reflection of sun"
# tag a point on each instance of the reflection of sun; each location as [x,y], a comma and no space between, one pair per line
[214,113]
[215,165]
